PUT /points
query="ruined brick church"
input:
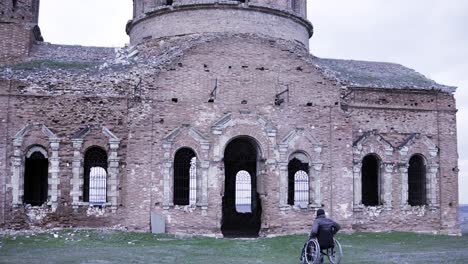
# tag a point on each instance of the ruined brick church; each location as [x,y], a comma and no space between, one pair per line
[218,120]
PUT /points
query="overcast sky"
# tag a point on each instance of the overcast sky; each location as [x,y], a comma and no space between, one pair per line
[430,36]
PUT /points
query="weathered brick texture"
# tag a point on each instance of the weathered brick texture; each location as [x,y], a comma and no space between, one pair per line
[201,90]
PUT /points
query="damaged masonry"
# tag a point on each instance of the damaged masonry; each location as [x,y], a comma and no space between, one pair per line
[229,129]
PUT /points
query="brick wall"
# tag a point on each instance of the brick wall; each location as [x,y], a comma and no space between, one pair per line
[210,18]
[15,42]
[167,88]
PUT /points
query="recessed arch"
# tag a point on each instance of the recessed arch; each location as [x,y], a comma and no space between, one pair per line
[241,155]
[298,179]
[259,149]
[95,157]
[371,180]
[36,174]
[185,164]
[37,148]
[417,191]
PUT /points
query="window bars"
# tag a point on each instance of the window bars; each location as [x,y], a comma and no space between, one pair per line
[94,157]
[97,186]
[193,181]
[243,196]
[185,180]
[301,189]
[298,183]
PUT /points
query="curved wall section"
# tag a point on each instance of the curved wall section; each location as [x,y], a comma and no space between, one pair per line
[215,18]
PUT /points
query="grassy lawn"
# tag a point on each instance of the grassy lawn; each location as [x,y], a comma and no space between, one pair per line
[91,246]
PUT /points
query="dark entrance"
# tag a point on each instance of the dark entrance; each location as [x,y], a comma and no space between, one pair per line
[416,181]
[35,179]
[370,181]
[240,155]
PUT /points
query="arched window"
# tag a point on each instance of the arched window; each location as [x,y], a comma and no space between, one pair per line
[298,182]
[417,181]
[184,176]
[243,196]
[301,189]
[371,180]
[36,179]
[97,186]
[95,176]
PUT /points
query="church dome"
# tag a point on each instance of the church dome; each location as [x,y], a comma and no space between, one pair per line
[284,19]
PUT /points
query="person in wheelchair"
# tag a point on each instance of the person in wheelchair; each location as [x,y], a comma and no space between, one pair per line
[323,229]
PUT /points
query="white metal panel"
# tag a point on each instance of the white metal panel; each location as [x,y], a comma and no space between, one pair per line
[193,181]
[243,194]
[97,186]
[301,189]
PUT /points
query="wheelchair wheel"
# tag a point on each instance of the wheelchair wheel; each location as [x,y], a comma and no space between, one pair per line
[335,253]
[312,252]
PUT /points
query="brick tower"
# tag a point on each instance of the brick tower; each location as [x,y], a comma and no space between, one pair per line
[18,28]
[284,19]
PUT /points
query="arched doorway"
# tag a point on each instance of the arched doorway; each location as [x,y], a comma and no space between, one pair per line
[36,172]
[240,167]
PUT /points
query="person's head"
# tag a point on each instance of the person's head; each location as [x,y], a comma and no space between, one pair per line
[320,212]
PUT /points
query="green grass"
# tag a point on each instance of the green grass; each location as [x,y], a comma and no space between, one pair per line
[103,246]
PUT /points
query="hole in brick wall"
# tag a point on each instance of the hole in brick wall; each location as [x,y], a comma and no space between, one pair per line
[161,121]
[205,66]
[261,68]
[309,104]
[336,103]
[245,67]
[450,204]
[449,105]
[175,100]
[169,2]
[244,102]
[211,100]
[299,68]
[230,67]
[180,64]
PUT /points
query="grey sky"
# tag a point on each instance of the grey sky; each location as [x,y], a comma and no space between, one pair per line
[427,35]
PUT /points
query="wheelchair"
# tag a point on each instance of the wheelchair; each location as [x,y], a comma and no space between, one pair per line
[325,244]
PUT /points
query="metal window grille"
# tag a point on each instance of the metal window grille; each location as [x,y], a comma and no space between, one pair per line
[294,166]
[97,186]
[243,196]
[184,174]
[416,181]
[301,189]
[94,157]
[193,181]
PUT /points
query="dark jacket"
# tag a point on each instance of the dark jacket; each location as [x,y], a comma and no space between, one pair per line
[322,222]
